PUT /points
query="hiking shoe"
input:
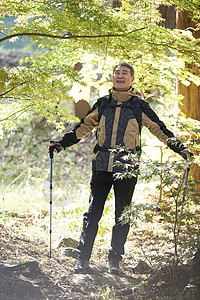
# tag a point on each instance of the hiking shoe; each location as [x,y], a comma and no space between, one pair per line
[113,266]
[82,266]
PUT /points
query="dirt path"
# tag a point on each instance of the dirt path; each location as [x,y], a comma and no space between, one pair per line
[29,281]
[27,273]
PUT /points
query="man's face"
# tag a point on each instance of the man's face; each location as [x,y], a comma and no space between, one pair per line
[122,79]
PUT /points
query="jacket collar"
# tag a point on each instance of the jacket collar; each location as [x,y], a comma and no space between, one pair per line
[123,96]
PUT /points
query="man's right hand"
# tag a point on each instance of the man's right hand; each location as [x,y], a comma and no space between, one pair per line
[57,147]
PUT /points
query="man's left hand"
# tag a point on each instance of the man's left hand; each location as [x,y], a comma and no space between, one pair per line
[56,146]
[186,154]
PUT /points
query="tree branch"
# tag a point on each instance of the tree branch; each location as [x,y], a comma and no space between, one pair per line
[64,37]
[13,99]
[14,87]
[21,110]
[8,91]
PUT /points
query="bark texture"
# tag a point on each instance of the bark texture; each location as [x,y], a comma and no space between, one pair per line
[190,105]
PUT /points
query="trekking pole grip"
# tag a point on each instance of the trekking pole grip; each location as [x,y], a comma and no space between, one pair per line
[51,149]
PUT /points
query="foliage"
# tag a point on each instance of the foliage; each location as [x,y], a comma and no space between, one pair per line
[98,36]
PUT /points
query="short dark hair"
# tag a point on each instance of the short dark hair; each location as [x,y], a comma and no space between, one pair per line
[124,64]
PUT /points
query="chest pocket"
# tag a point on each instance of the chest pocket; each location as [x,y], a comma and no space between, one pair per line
[131,136]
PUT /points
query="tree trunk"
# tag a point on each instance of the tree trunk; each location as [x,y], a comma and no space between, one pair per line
[116,3]
[168,13]
[190,105]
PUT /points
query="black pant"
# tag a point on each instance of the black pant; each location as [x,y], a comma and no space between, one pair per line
[101,184]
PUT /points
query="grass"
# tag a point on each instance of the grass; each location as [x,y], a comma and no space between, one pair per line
[70,201]
[28,195]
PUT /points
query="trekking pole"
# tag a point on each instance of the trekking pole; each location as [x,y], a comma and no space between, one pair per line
[184,193]
[51,188]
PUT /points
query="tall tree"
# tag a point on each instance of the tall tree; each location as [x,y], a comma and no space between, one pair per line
[190,104]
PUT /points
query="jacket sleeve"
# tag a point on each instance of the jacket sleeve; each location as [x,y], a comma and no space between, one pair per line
[82,129]
[159,129]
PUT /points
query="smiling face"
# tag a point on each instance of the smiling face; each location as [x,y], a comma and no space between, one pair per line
[122,78]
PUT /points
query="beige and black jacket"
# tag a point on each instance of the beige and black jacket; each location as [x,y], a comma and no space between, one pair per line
[118,118]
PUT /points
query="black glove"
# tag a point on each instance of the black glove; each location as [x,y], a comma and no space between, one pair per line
[178,147]
[56,145]
[186,154]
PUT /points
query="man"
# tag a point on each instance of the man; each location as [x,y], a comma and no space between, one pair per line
[118,118]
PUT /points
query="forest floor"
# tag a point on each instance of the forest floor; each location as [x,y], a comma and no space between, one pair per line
[27,272]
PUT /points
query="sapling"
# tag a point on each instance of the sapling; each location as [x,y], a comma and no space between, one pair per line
[177,194]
